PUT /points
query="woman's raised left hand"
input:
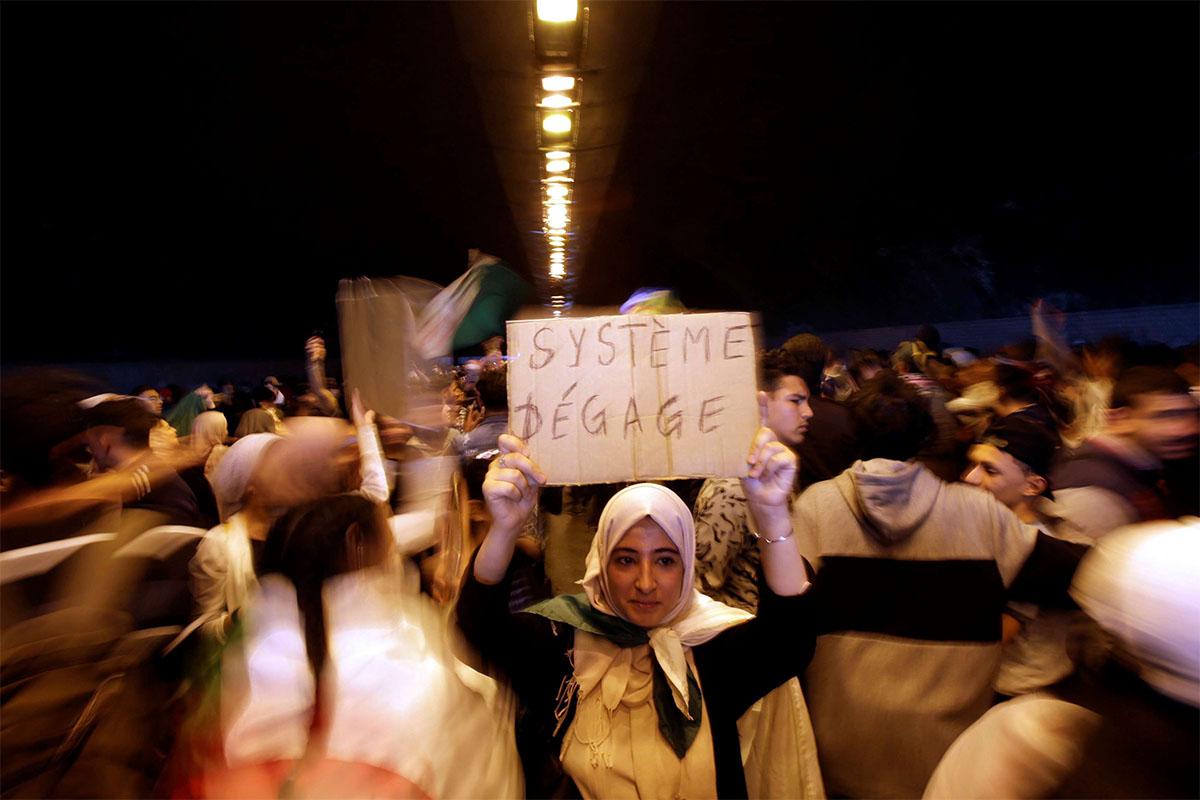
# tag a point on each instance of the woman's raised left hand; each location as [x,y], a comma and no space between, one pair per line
[771,478]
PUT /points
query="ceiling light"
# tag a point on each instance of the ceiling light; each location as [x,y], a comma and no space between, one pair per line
[560,165]
[556,191]
[556,123]
[553,154]
[556,101]
[557,10]
[557,241]
[557,271]
[558,83]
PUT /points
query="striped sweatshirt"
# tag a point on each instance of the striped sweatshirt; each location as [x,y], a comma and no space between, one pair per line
[912,576]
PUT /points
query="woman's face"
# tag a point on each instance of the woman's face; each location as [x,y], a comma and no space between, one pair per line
[645,574]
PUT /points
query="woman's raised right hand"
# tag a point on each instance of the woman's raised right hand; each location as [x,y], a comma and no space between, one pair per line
[511,486]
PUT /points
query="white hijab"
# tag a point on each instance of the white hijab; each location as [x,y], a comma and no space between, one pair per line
[695,618]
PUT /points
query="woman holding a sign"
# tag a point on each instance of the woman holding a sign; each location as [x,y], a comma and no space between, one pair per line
[634,688]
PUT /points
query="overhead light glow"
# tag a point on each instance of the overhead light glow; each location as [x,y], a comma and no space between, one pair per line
[556,101]
[558,191]
[556,123]
[557,271]
[558,83]
[557,10]
[559,165]
[557,241]
[559,230]
[558,179]
[556,154]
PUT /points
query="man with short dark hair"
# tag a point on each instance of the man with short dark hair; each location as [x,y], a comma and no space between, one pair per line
[727,557]
[830,445]
[1115,477]
[912,578]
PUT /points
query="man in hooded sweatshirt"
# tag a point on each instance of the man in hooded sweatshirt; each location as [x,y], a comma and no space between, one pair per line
[912,576]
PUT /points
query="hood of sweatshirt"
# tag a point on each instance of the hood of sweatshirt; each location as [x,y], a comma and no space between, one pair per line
[890,498]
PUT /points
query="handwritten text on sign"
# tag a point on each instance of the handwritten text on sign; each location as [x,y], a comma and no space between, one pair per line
[609,399]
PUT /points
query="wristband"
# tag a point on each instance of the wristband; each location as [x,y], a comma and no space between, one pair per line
[765,540]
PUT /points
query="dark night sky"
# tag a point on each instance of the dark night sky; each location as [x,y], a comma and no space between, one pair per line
[191,180]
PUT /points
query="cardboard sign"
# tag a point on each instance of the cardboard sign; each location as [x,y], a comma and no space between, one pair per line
[634,397]
[376,324]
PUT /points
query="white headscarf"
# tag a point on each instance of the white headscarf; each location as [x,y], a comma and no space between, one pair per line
[695,618]
[233,475]
[209,429]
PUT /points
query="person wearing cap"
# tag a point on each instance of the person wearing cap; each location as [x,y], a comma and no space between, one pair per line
[118,437]
[913,574]
[1011,461]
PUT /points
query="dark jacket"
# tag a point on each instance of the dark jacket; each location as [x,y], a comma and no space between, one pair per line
[1092,465]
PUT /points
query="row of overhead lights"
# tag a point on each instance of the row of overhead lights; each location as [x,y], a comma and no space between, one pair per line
[558,39]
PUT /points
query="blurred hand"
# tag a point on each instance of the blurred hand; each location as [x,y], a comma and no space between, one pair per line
[315,348]
[511,486]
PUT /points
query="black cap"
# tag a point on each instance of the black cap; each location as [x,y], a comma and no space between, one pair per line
[1030,442]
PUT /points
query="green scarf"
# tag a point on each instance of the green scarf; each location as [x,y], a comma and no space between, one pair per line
[576,611]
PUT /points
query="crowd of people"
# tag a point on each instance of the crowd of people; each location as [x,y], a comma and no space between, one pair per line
[947,573]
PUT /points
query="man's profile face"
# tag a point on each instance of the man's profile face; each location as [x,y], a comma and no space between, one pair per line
[153,401]
[787,410]
[996,472]
[1164,424]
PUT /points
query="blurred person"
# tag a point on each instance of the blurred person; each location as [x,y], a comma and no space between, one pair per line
[941,453]
[491,420]
[192,405]
[265,417]
[344,683]
[655,673]
[314,363]
[1019,394]
[163,437]
[1012,461]
[864,365]
[259,478]
[1116,477]
[727,554]
[207,442]
[276,388]
[974,409]
[118,437]
[829,445]
[150,396]
[1128,724]
[837,384]
[899,672]
[232,401]
[86,693]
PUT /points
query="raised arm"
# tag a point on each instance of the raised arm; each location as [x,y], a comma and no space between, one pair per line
[374,485]
[510,490]
[768,487]
[314,350]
